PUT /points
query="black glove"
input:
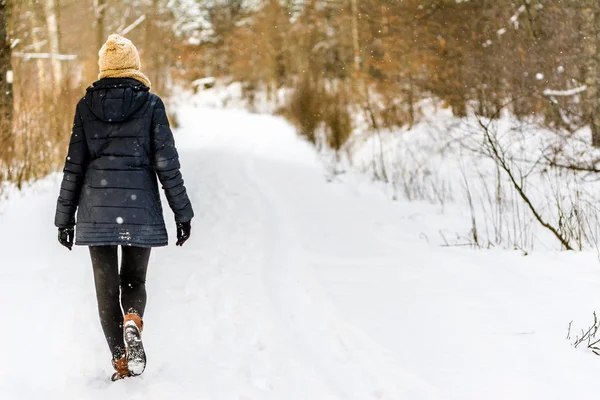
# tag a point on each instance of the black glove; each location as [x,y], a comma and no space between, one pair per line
[184,230]
[65,237]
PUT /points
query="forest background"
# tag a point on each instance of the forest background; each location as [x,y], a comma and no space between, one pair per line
[337,69]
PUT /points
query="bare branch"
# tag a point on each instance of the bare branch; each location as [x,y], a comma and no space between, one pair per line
[133,25]
[498,154]
[588,336]
[572,167]
[29,56]
[565,93]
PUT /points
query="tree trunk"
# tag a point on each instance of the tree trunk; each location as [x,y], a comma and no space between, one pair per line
[100,11]
[592,59]
[411,101]
[39,19]
[150,54]
[54,40]
[6,103]
[596,78]
[385,30]
[355,43]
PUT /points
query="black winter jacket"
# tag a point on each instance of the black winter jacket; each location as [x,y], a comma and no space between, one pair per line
[121,141]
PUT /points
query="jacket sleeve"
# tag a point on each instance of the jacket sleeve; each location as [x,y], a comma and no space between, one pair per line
[165,160]
[73,174]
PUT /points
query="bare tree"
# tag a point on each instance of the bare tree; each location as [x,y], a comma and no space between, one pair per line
[5,65]
[152,36]
[54,40]
[100,11]
[355,42]
[593,69]
[37,20]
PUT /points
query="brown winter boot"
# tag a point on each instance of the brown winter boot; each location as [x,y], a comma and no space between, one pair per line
[120,366]
[137,320]
[132,335]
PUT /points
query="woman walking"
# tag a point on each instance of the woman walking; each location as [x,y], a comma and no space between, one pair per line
[121,142]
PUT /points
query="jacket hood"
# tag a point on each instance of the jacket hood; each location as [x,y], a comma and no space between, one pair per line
[116,99]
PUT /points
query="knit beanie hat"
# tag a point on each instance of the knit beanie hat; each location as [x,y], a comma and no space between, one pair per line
[119,58]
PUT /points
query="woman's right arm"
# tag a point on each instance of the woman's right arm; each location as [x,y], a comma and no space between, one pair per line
[73,174]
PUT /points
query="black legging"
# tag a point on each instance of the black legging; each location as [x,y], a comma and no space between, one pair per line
[130,284]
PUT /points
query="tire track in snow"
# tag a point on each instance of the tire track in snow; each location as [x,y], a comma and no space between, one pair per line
[237,346]
[353,365]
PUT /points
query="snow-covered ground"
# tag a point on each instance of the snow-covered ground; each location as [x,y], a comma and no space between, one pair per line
[293,287]
[449,162]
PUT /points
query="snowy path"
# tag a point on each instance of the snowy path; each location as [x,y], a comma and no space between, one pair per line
[294,288]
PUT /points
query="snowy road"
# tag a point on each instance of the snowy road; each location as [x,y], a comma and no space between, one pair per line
[294,288]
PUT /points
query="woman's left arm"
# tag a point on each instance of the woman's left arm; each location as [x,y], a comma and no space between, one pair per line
[74,172]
